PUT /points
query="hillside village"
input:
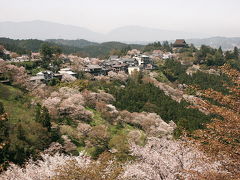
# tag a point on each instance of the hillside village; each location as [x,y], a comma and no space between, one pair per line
[161,111]
[134,60]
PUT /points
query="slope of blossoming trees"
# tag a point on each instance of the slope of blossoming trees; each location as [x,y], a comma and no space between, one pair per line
[126,127]
[221,137]
[160,158]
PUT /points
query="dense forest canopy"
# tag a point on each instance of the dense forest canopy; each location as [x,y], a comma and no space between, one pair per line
[91,49]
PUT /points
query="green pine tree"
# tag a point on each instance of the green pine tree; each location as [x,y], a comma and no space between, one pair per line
[236,53]
[43,117]
[1,108]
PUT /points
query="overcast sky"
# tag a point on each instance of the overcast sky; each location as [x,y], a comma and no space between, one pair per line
[213,17]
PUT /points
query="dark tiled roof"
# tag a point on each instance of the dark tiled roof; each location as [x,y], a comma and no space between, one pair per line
[180,42]
[128,60]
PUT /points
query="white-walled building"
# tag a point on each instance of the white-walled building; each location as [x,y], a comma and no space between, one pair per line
[133,69]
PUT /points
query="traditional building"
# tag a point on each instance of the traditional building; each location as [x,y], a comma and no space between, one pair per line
[180,43]
[129,61]
[67,71]
[94,69]
[45,76]
[113,58]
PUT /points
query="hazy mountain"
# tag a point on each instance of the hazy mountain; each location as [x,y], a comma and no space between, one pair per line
[139,33]
[45,30]
[48,30]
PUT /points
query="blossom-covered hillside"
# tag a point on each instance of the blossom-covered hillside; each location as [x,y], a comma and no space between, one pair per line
[173,118]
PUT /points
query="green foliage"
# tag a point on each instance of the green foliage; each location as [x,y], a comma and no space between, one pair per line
[236,53]
[202,53]
[206,81]
[125,50]
[158,46]
[16,103]
[153,46]
[3,55]
[1,108]
[173,69]
[217,59]
[50,54]
[121,52]
[181,124]
[91,50]
[79,43]
[26,138]
[120,143]
[103,50]
[166,46]
[22,140]
[54,82]
[4,129]
[97,118]
[86,48]
[65,120]
[31,45]
[190,50]
[191,91]
[210,56]
[43,117]
[56,50]
[99,138]
[14,46]
[32,67]
[46,51]
[229,55]
[138,97]
[234,64]
[161,77]
[4,138]
[55,134]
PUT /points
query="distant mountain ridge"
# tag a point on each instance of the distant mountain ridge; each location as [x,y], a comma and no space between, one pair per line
[225,42]
[215,42]
[139,33]
[44,30]
[48,30]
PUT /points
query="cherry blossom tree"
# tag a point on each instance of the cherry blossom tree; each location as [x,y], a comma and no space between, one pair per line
[120,76]
[77,64]
[133,52]
[84,128]
[67,102]
[17,75]
[150,122]
[68,78]
[102,78]
[42,169]
[169,159]
[91,98]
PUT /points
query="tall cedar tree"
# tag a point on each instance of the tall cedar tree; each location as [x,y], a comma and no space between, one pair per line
[43,117]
